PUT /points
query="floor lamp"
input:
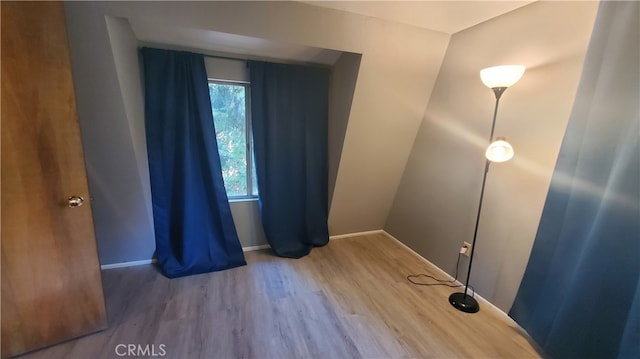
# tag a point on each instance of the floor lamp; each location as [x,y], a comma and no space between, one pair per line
[497,78]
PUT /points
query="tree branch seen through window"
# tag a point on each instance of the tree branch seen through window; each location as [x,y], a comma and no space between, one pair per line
[229,102]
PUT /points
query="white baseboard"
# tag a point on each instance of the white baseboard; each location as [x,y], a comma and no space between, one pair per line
[356,234]
[127,264]
[338,236]
[483,300]
[255,248]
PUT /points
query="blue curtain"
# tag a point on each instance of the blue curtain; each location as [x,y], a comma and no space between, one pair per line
[580,295]
[194,229]
[289,111]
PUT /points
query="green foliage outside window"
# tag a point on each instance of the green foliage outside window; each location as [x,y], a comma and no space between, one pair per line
[229,116]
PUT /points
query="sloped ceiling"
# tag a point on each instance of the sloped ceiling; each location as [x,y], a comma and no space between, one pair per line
[444,16]
[219,42]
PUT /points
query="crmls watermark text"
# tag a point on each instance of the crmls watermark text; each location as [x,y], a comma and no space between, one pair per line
[139,350]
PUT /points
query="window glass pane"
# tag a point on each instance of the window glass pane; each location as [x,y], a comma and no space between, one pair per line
[228,104]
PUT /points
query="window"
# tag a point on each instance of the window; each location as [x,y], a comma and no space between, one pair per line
[231,116]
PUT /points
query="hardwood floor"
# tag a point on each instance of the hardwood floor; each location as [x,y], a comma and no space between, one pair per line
[349,299]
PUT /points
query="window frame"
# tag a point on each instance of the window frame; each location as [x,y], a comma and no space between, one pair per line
[248,139]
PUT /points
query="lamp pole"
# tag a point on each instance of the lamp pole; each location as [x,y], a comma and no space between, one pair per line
[462,301]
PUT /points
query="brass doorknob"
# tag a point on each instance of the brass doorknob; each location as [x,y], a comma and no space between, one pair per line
[75,201]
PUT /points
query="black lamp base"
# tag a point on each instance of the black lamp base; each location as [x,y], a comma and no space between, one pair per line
[464,302]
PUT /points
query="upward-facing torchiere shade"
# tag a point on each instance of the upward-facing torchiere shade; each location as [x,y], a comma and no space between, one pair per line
[498,78]
[501,76]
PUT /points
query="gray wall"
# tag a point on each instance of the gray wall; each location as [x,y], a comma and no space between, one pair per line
[435,208]
[114,147]
[344,75]
[246,216]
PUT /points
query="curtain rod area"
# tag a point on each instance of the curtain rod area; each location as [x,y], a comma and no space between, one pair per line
[246,58]
[225,57]
[187,49]
[258,58]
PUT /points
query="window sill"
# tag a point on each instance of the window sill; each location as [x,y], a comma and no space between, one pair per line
[243,199]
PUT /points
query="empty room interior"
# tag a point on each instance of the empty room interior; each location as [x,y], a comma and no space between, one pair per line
[320,179]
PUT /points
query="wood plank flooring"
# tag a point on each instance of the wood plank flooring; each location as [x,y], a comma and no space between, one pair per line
[349,299]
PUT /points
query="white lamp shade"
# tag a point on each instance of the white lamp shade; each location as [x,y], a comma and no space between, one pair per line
[499,151]
[501,76]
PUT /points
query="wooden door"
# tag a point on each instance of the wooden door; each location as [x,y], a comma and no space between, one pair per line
[51,284]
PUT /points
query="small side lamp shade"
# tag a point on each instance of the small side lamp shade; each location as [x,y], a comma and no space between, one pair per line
[499,150]
[501,76]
